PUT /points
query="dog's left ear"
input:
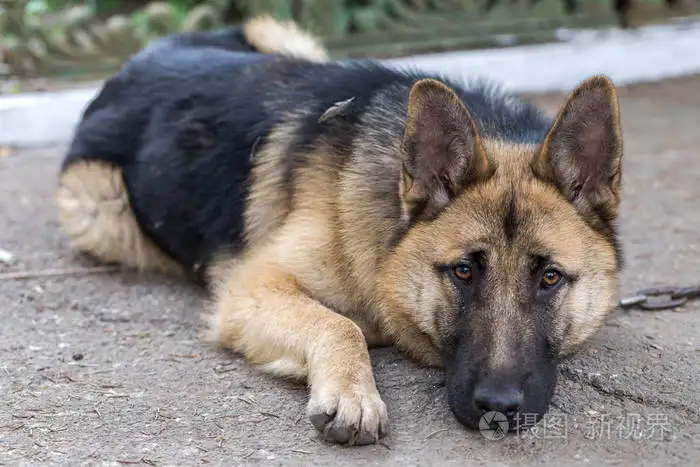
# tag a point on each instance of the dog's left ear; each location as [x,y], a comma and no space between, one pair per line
[442,151]
[582,152]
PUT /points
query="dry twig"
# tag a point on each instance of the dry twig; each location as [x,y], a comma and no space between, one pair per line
[21,275]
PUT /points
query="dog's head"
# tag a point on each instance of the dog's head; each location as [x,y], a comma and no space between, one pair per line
[510,261]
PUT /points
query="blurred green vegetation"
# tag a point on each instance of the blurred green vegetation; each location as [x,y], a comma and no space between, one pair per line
[101,7]
[39,37]
[104,8]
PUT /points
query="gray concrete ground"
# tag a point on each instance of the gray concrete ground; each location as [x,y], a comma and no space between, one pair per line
[108,369]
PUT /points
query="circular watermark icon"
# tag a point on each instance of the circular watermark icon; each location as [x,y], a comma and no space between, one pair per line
[493,426]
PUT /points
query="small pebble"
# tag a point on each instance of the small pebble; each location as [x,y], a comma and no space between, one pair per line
[6,257]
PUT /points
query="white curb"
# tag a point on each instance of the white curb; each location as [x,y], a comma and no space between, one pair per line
[648,54]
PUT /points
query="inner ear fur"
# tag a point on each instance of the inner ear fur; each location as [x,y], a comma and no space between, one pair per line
[582,152]
[442,151]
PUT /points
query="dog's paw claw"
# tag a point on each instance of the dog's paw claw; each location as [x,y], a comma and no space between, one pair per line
[320,420]
[339,434]
[351,417]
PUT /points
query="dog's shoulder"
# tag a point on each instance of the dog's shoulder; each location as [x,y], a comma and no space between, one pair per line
[368,95]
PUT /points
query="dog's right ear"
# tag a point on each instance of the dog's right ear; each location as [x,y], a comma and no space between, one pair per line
[442,151]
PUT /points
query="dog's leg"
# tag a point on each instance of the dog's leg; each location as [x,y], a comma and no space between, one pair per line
[95,213]
[263,313]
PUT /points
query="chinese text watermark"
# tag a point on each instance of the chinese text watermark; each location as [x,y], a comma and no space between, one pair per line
[596,426]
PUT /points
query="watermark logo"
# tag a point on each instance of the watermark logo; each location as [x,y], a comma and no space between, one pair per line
[494,426]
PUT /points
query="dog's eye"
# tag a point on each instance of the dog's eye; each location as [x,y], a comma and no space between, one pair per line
[463,272]
[550,278]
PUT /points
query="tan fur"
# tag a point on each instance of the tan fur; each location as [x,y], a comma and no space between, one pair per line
[469,221]
[305,279]
[269,35]
[264,310]
[94,211]
[323,271]
[267,203]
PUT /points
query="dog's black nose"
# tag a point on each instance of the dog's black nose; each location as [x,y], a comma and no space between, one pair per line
[504,400]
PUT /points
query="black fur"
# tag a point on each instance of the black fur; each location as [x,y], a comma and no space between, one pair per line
[510,220]
[183,116]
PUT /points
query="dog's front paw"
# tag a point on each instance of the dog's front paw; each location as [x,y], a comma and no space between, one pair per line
[352,414]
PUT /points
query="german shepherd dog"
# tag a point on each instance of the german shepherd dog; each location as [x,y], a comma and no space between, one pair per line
[333,206]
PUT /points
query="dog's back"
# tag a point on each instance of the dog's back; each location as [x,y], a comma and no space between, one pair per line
[100,173]
[177,127]
[165,66]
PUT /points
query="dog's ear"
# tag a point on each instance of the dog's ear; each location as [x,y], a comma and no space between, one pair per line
[582,153]
[442,151]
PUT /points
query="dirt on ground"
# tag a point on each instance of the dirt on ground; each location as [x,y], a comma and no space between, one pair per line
[108,369]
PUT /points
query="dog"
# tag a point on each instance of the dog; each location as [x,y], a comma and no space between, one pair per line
[335,206]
